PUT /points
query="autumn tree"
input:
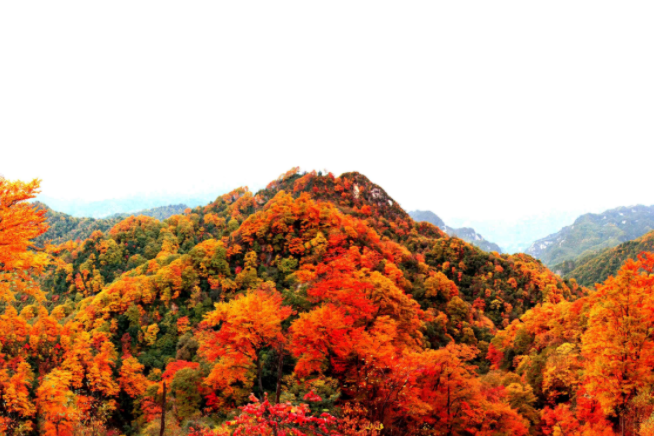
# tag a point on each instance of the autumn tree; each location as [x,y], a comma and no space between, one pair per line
[56,404]
[20,222]
[618,345]
[247,325]
[132,380]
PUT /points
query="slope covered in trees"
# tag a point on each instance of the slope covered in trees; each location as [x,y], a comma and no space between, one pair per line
[315,306]
[466,233]
[64,227]
[589,361]
[598,267]
[592,233]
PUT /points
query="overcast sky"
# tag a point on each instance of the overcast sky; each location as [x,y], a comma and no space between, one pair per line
[488,109]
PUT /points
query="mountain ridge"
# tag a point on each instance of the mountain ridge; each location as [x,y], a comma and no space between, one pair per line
[65,227]
[591,233]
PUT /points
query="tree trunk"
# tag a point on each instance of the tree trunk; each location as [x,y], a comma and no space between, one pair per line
[622,420]
[280,370]
[163,411]
[259,370]
[623,412]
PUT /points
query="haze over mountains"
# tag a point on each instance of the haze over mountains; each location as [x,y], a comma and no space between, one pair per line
[516,234]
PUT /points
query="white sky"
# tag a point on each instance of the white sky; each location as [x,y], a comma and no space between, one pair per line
[491,110]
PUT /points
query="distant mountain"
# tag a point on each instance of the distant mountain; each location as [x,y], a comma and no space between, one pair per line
[429,216]
[466,233]
[516,234]
[114,207]
[161,213]
[595,268]
[64,227]
[592,233]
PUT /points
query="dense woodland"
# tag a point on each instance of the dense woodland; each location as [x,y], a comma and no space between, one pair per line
[316,306]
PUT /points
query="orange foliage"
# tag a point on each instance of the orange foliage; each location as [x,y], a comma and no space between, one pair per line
[247,323]
[317,282]
[19,223]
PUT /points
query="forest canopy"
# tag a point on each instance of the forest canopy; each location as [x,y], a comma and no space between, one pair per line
[316,306]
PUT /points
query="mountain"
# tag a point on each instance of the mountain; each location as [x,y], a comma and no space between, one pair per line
[469,234]
[428,216]
[64,227]
[161,213]
[592,233]
[516,234]
[478,275]
[274,304]
[466,233]
[118,206]
[596,268]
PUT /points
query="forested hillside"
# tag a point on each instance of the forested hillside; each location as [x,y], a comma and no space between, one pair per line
[63,227]
[316,306]
[598,267]
[466,233]
[592,233]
